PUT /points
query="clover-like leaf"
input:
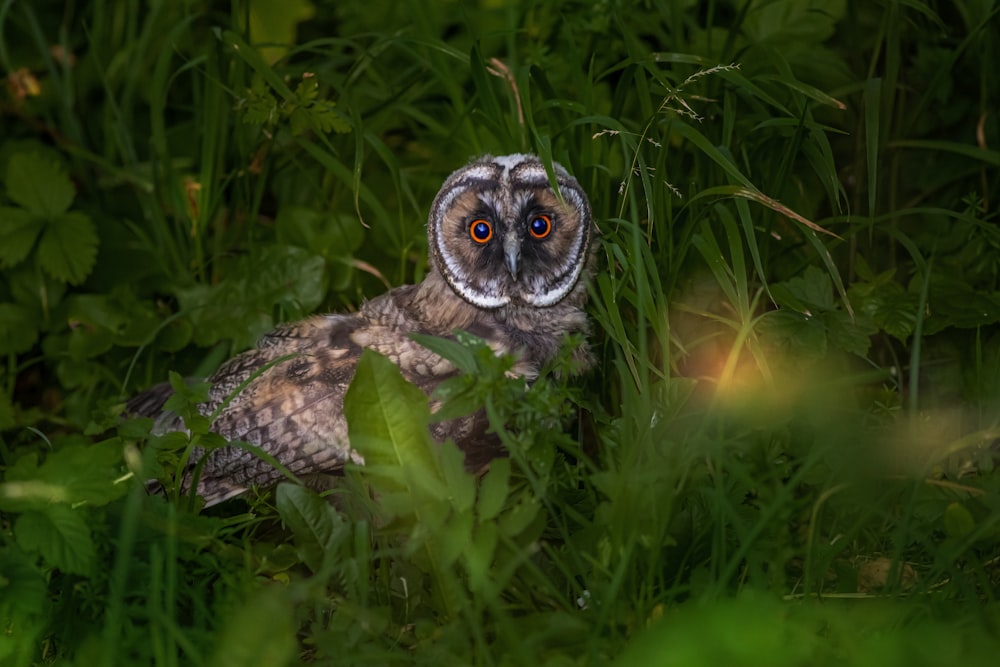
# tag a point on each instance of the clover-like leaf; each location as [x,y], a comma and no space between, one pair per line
[18,231]
[35,290]
[68,248]
[39,184]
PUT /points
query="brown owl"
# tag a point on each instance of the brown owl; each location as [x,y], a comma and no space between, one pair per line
[509,257]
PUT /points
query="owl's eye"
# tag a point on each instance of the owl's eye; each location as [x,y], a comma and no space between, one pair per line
[481,231]
[541,226]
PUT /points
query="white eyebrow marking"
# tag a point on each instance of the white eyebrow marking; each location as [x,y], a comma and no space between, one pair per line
[508,162]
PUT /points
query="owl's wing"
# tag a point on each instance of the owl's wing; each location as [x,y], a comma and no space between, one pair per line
[285,397]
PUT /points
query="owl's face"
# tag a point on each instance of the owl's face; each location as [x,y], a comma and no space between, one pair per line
[500,235]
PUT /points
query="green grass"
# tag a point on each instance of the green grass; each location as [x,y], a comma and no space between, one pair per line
[785,454]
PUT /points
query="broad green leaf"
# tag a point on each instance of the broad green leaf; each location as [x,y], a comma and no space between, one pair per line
[400,504]
[224,311]
[18,231]
[137,319]
[459,352]
[452,539]
[24,467]
[493,489]
[39,184]
[784,21]
[68,248]
[135,428]
[241,306]
[22,636]
[460,397]
[22,586]
[100,310]
[18,328]
[897,314]
[810,292]
[35,290]
[76,473]
[74,373]
[387,424]
[175,335]
[478,555]
[798,335]
[315,523]
[850,335]
[461,484]
[515,521]
[333,237]
[184,403]
[954,303]
[275,558]
[885,302]
[258,633]
[326,234]
[99,321]
[61,535]
[89,342]
[23,602]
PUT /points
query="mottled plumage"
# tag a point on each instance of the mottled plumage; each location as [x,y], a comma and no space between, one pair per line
[507,257]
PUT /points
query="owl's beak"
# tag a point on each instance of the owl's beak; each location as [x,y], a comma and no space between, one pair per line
[512,255]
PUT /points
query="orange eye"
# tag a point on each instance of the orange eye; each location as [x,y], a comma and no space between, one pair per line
[541,226]
[481,231]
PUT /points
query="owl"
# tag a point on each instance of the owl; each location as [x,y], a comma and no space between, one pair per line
[509,260]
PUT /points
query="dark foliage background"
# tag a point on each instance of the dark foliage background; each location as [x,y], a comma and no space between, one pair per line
[786,454]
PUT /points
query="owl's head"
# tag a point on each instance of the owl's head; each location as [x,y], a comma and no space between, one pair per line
[500,235]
